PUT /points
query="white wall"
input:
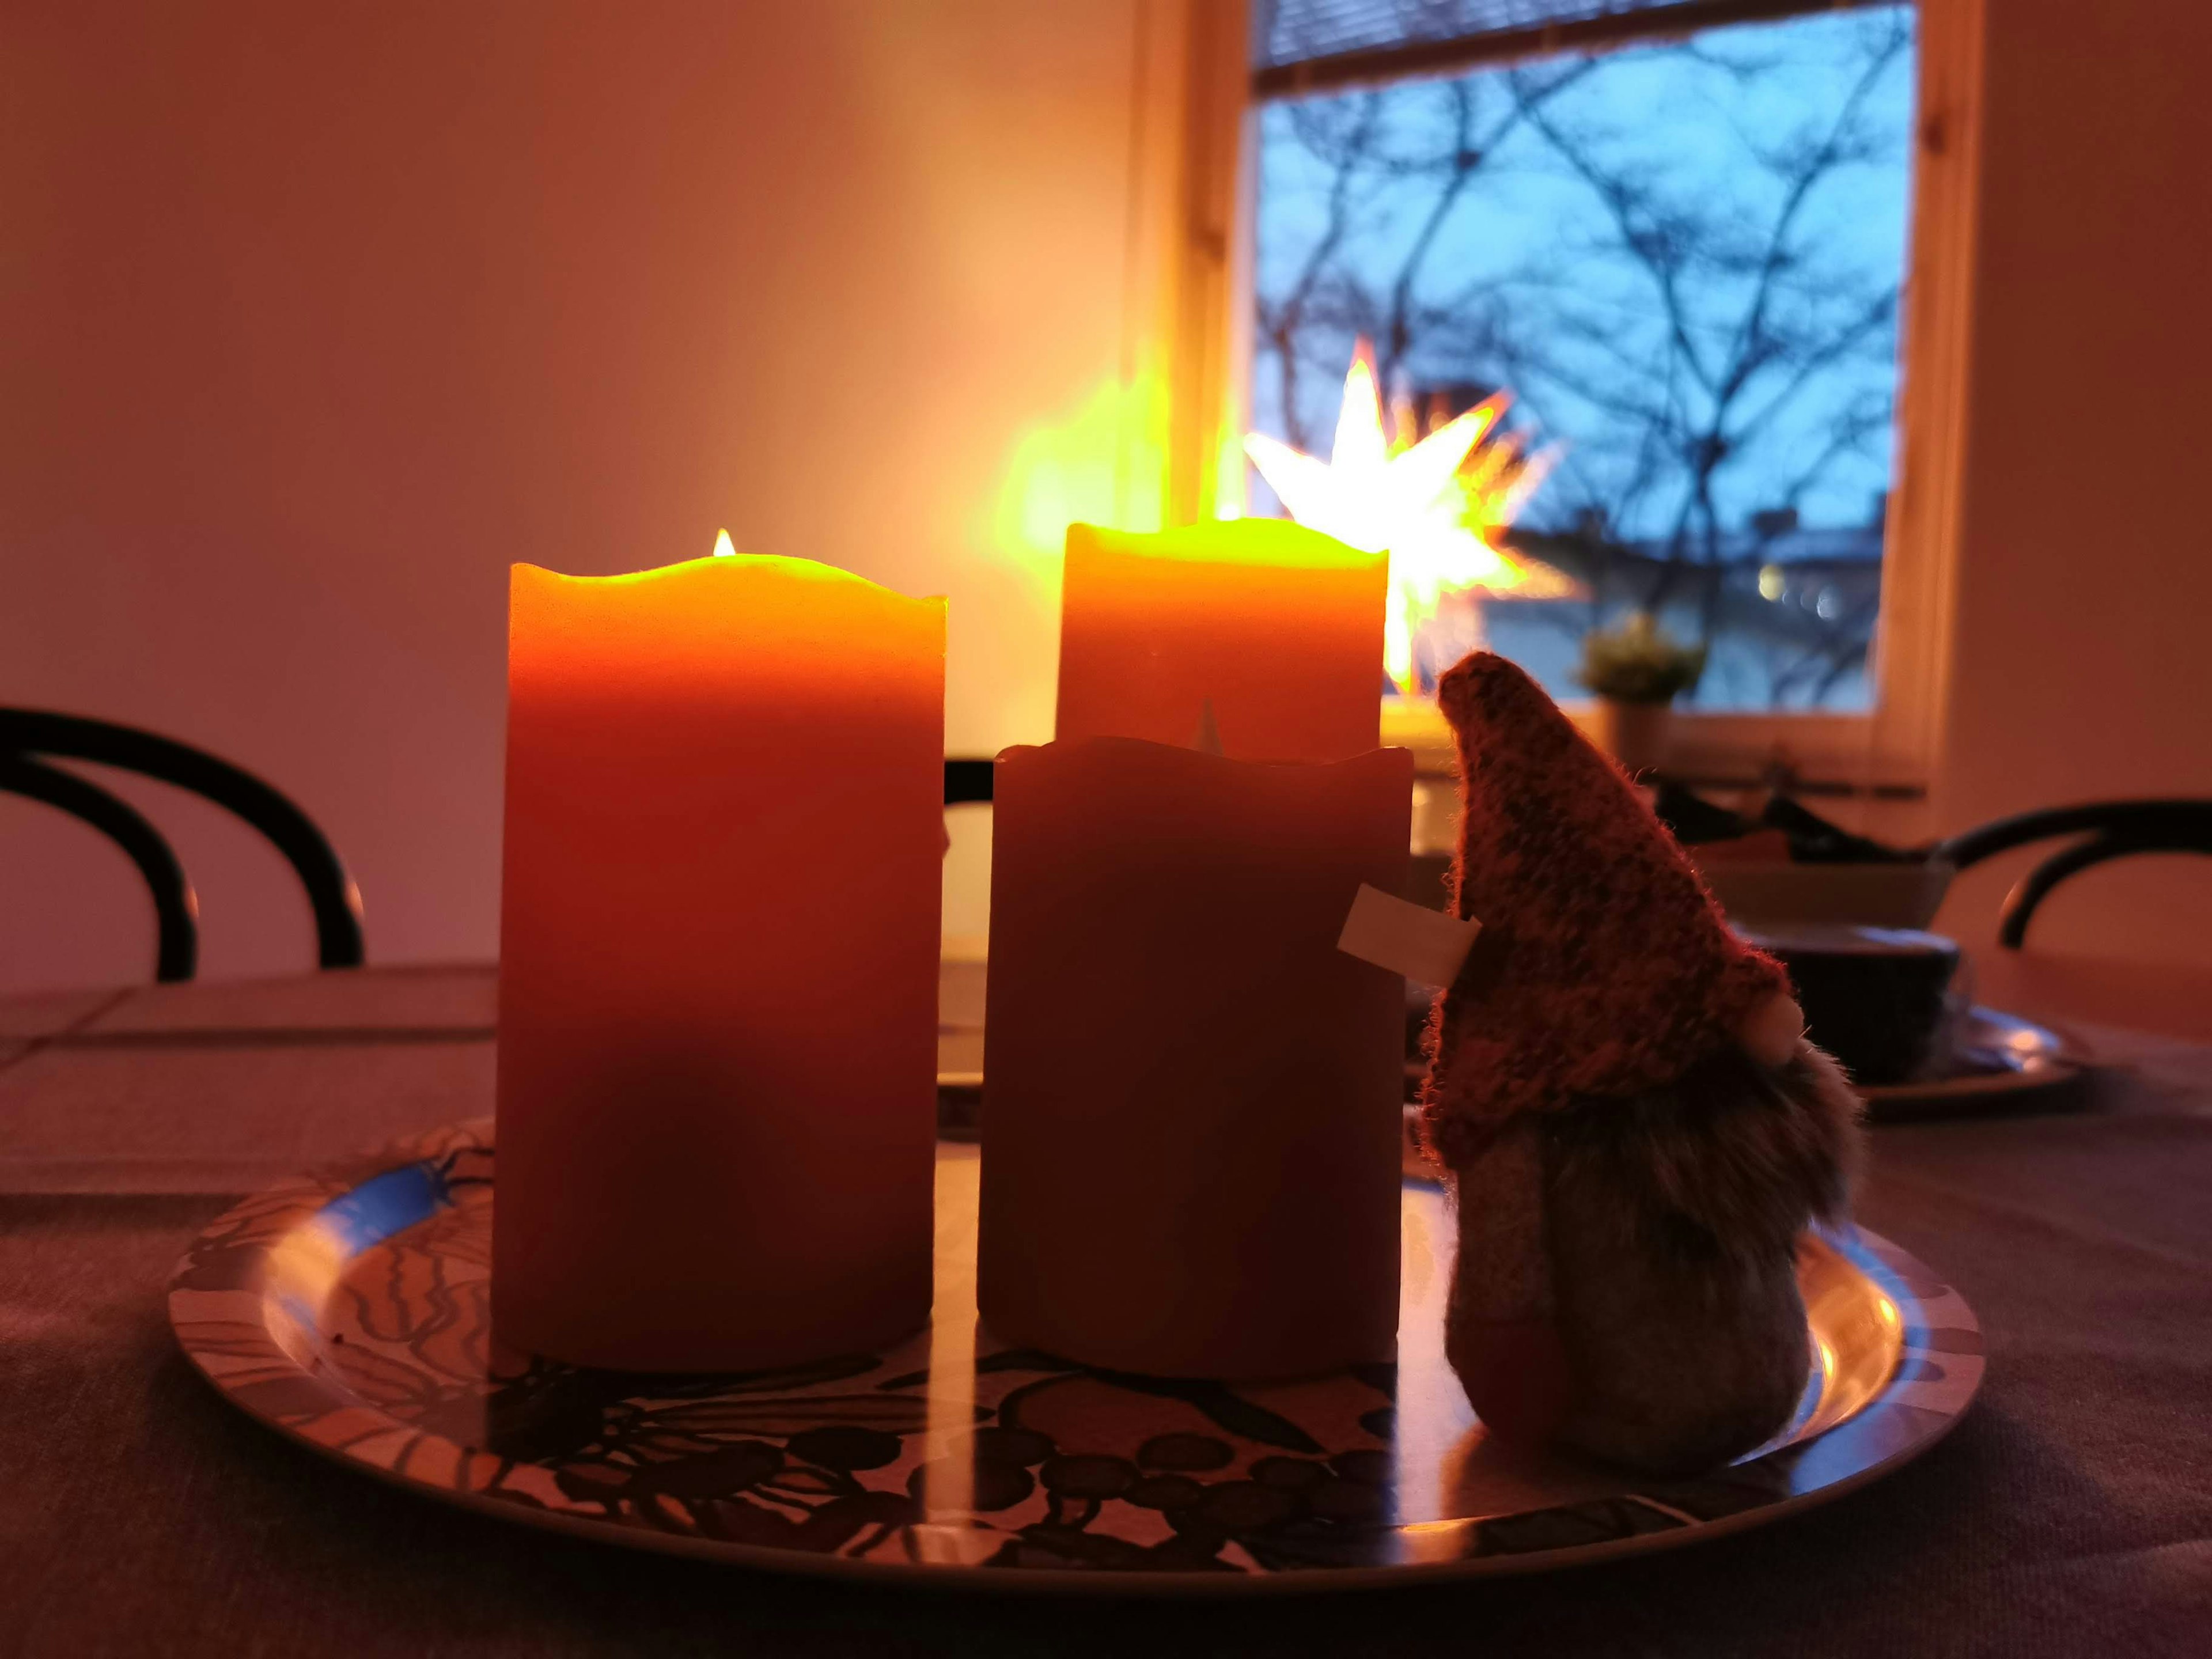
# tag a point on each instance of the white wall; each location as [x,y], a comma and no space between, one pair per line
[313,317]
[2081,662]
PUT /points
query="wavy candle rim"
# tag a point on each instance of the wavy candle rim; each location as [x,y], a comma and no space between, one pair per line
[1271,543]
[739,565]
[730,620]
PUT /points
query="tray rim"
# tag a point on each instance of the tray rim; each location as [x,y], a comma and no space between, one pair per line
[1867,1251]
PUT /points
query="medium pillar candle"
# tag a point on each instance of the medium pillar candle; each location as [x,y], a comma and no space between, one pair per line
[718,984]
[1191,1122]
[1280,627]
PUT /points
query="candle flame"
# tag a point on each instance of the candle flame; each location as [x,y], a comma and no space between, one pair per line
[1435,502]
[724,547]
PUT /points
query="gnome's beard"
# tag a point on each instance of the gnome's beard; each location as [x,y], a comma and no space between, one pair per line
[1626,1277]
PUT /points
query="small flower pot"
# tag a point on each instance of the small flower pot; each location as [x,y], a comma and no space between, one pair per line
[1636,734]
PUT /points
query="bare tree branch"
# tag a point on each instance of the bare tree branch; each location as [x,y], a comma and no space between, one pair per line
[1707,342]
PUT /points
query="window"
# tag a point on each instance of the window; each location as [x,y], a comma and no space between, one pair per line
[1679,254]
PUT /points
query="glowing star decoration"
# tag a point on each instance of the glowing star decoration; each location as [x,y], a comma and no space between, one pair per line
[1434,504]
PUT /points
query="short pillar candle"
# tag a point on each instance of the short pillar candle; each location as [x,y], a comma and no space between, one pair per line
[1191,1125]
[1280,628]
[718,940]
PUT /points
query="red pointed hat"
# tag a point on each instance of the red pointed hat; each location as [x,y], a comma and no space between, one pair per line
[1604,967]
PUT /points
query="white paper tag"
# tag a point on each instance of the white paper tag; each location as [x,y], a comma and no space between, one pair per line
[1426,946]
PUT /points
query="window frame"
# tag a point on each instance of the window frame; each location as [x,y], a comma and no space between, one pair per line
[1887,754]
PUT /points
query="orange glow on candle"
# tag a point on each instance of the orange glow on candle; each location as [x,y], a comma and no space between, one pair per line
[719,938]
[1280,627]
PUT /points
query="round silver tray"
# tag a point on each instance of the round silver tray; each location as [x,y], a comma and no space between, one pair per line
[349,1310]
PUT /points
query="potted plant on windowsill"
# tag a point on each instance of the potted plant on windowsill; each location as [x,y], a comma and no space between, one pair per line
[1636,672]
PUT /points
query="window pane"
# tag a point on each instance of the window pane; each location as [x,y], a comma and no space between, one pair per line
[1683,262]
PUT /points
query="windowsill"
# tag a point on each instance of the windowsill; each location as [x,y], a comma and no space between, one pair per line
[1828,752]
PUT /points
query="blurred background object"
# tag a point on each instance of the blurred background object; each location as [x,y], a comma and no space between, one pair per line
[317,319]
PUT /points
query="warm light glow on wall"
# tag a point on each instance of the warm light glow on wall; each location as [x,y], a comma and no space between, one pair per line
[1096,466]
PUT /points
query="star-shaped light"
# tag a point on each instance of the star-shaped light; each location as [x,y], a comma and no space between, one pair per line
[1431,505]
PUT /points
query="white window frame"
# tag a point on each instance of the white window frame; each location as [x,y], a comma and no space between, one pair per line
[1193,165]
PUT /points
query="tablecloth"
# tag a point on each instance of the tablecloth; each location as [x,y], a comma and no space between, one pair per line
[139,1513]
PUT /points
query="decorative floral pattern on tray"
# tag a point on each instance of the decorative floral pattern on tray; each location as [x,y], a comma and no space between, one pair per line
[351,1309]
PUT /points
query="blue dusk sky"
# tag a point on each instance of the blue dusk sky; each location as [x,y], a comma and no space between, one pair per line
[1530,260]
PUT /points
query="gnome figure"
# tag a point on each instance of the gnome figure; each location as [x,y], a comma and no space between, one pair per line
[1636,1129]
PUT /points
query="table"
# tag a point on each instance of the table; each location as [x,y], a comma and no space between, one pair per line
[2071,1512]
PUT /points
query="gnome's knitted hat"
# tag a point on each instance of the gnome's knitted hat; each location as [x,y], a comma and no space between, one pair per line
[1604,967]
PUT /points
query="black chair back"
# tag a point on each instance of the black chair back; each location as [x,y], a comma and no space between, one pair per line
[29,734]
[2107,830]
[968,780]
